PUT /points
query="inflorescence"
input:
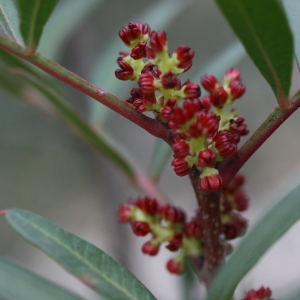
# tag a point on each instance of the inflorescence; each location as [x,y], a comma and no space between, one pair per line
[206,132]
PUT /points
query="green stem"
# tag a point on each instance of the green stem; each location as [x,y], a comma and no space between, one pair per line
[154,127]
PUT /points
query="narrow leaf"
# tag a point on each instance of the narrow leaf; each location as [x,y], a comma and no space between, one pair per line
[9,19]
[19,283]
[67,17]
[33,18]
[264,31]
[270,228]
[88,263]
[292,9]
[100,142]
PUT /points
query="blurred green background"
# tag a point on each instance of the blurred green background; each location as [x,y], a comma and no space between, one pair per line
[47,169]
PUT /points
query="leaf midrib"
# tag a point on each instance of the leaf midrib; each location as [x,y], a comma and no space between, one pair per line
[58,241]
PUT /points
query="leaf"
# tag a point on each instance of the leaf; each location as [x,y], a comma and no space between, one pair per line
[229,56]
[103,72]
[89,264]
[9,19]
[67,17]
[264,31]
[99,141]
[29,285]
[292,9]
[160,156]
[33,18]
[269,229]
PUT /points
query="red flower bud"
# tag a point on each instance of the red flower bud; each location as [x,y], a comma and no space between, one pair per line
[150,248]
[184,55]
[235,227]
[207,123]
[158,41]
[147,83]
[181,167]
[173,214]
[209,82]
[219,97]
[181,149]
[232,74]
[175,267]
[149,206]
[206,158]
[175,241]
[193,229]
[125,212]
[237,89]
[260,294]
[140,228]
[191,90]
[205,102]
[126,72]
[170,81]
[211,182]
[237,125]
[139,51]
[134,32]
[225,143]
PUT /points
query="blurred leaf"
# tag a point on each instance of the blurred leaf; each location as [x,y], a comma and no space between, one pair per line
[188,281]
[21,284]
[159,15]
[229,56]
[33,18]
[266,36]
[67,17]
[85,261]
[9,19]
[270,228]
[100,142]
[292,9]
[160,156]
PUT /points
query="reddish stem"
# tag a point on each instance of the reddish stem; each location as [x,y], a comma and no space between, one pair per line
[210,218]
[153,126]
[230,167]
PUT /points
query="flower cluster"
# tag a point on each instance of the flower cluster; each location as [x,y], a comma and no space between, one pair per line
[205,132]
[260,294]
[168,224]
[233,201]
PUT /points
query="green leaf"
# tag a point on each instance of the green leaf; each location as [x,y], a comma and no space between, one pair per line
[33,18]
[160,156]
[270,228]
[103,73]
[228,57]
[67,17]
[9,19]
[88,263]
[98,140]
[19,283]
[264,31]
[292,9]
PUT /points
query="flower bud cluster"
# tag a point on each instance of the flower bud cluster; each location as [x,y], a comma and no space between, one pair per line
[233,201]
[168,224]
[260,294]
[205,132]
[165,224]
